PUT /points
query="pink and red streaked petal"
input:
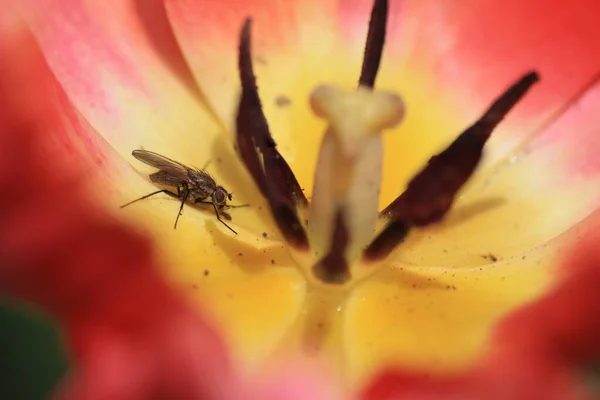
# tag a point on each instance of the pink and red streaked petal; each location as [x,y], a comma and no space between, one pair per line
[124,73]
[469,48]
[71,141]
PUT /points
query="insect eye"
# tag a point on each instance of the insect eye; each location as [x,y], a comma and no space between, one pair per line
[220,197]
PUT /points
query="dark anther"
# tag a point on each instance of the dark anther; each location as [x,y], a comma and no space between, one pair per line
[375,42]
[431,192]
[391,236]
[273,176]
[333,268]
[275,166]
[279,172]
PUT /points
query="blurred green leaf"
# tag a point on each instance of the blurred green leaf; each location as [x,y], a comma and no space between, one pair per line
[32,359]
[593,379]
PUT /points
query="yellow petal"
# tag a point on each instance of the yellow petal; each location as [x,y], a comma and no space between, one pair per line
[253,324]
[249,285]
[438,319]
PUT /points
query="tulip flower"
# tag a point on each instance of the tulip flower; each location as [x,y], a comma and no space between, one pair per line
[414,172]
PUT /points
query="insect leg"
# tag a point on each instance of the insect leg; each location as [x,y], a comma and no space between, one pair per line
[236,206]
[184,195]
[150,195]
[220,208]
[223,208]
[221,212]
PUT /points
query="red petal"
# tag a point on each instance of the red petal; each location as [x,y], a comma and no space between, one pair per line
[566,322]
[472,49]
[508,379]
[131,334]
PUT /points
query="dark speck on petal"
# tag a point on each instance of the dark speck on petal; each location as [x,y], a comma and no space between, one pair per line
[282,101]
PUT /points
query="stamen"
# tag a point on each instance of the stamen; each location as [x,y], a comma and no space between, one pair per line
[431,192]
[392,235]
[274,177]
[374,45]
[334,268]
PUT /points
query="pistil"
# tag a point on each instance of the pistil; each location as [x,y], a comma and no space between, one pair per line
[348,174]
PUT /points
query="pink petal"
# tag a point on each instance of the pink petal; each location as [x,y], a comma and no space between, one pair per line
[122,69]
[353,22]
[471,48]
[70,141]
[572,140]
[297,380]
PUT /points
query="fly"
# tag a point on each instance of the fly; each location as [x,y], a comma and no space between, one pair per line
[192,184]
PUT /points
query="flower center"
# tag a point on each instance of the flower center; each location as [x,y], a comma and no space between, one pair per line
[339,236]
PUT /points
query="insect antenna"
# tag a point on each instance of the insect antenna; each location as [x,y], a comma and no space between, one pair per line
[228,206]
[236,205]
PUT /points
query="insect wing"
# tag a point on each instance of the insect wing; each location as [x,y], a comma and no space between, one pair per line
[165,164]
[203,179]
